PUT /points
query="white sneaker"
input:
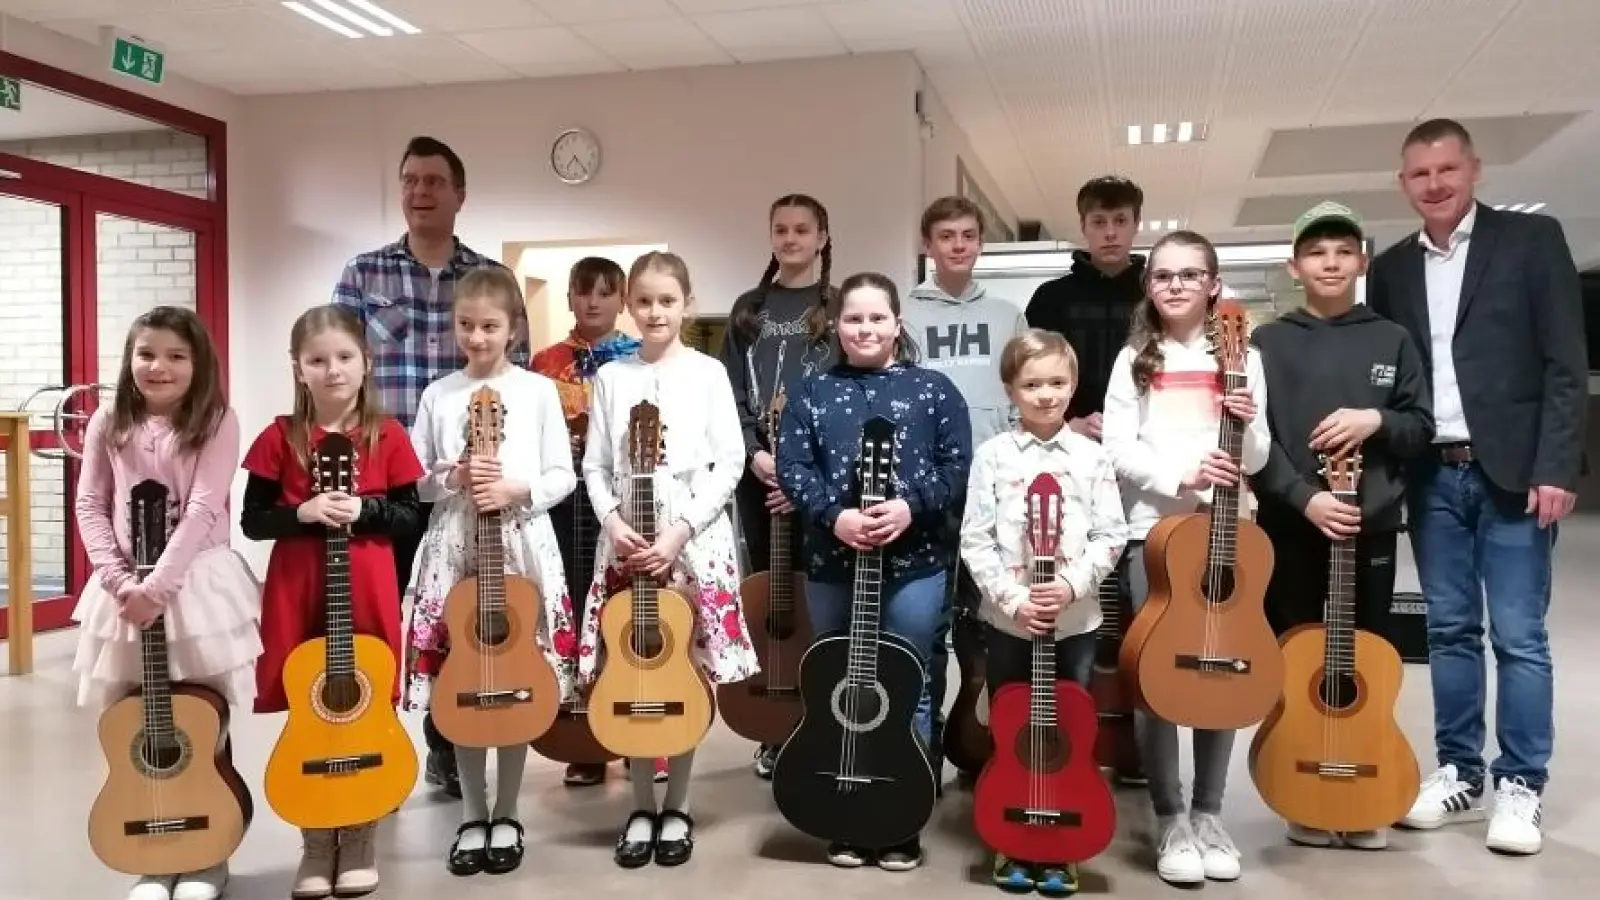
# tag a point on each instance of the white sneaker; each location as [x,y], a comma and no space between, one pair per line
[1219,857]
[152,887]
[1377,839]
[1445,800]
[203,885]
[1178,858]
[1309,837]
[1515,826]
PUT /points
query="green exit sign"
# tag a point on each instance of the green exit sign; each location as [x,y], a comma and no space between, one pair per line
[135,60]
[10,94]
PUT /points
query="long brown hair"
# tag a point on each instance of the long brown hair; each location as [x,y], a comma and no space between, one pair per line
[745,321]
[1145,330]
[369,410]
[202,408]
[905,349]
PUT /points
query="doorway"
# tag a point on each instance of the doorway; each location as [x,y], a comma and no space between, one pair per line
[542,269]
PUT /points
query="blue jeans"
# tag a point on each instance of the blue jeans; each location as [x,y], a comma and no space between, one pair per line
[1475,546]
[911,609]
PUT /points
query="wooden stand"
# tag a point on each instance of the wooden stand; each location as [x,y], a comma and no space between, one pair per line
[17,508]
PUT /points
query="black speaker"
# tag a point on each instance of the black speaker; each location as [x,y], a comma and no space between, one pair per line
[1408,626]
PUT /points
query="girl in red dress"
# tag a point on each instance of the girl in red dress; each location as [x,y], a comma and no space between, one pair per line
[331,363]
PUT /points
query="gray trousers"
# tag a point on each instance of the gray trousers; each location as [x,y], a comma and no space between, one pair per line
[1158,739]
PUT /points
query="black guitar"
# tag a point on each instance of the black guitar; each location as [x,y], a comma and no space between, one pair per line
[856,771]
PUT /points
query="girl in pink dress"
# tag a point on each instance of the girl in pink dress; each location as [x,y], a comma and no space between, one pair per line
[170,423]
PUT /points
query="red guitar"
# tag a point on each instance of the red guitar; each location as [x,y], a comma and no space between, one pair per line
[1041,797]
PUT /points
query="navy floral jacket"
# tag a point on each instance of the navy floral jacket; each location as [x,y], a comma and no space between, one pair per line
[820,444]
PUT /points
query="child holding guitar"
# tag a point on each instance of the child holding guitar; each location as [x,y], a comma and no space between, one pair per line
[510,494]
[169,423]
[1039,370]
[328,349]
[691,548]
[1160,428]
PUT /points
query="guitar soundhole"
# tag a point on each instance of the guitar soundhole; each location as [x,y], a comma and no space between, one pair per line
[1042,749]
[1338,691]
[341,693]
[1217,585]
[780,625]
[860,705]
[647,642]
[493,629]
[160,755]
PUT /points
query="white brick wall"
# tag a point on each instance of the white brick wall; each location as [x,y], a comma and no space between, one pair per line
[138,265]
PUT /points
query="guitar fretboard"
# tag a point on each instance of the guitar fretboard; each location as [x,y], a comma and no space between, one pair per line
[148,510]
[780,567]
[643,520]
[491,564]
[341,651]
[1224,539]
[1338,612]
[865,613]
[1042,697]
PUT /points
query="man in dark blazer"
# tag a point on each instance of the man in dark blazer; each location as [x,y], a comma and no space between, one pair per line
[1492,299]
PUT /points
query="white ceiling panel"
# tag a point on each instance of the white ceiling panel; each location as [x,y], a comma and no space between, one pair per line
[655,43]
[777,33]
[584,12]
[870,19]
[698,7]
[450,16]
[449,60]
[539,52]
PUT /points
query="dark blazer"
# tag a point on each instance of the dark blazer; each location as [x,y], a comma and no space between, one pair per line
[1521,357]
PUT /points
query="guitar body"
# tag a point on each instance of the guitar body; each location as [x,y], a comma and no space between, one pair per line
[1114,745]
[1304,730]
[887,793]
[1051,772]
[649,702]
[495,687]
[343,758]
[199,794]
[570,740]
[766,706]
[1166,655]
[968,743]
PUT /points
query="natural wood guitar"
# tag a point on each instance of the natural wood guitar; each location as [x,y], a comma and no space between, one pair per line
[496,687]
[1114,747]
[967,741]
[766,706]
[649,700]
[1331,755]
[343,758]
[172,801]
[1201,653]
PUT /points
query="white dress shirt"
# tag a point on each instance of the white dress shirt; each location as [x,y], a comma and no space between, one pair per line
[1444,271]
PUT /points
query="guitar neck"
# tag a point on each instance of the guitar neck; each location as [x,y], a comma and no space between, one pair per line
[865,616]
[1223,549]
[341,656]
[1042,697]
[491,564]
[1110,608]
[780,566]
[156,682]
[643,520]
[1338,612]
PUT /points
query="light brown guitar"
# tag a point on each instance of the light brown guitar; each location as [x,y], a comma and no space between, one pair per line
[1200,652]
[496,687]
[766,707]
[1331,755]
[172,801]
[343,758]
[649,700]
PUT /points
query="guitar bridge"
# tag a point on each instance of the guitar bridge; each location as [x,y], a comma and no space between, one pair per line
[341,765]
[1335,770]
[153,827]
[775,693]
[1225,665]
[1051,818]
[494,699]
[649,709]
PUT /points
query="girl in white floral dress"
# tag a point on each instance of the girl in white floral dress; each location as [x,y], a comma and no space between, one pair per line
[702,460]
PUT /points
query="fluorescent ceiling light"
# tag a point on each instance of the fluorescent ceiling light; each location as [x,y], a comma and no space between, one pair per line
[386,16]
[1164,133]
[361,22]
[323,20]
[1133,135]
[1160,225]
[1521,207]
[376,20]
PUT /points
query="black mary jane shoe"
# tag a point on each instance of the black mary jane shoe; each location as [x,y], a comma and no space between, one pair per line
[500,860]
[635,854]
[468,862]
[674,853]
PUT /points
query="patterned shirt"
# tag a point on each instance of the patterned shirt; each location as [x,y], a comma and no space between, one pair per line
[572,365]
[407,312]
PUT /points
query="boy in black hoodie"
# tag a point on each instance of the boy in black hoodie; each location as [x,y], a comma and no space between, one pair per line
[1338,375]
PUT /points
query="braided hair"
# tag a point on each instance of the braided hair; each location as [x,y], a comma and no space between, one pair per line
[746,319]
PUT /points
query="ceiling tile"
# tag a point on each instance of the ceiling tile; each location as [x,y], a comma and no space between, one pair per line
[697,7]
[654,43]
[933,48]
[195,30]
[769,34]
[1023,13]
[430,58]
[540,51]
[584,12]
[35,10]
[869,19]
[451,16]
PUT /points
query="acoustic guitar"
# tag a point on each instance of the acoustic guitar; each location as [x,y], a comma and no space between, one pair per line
[766,706]
[649,700]
[172,800]
[1331,755]
[968,743]
[1115,747]
[1041,797]
[343,758]
[569,739]
[495,688]
[855,770]
[1201,653]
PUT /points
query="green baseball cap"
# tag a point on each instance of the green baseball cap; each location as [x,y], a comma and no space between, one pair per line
[1327,211]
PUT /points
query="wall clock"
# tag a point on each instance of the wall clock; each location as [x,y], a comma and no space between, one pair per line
[575,156]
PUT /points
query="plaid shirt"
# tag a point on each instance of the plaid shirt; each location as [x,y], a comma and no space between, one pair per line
[407,313]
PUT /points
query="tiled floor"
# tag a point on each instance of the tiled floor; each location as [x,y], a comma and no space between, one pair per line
[50,769]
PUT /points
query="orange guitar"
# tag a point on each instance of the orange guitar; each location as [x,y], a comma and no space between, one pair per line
[495,687]
[1331,755]
[172,801]
[766,706]
[343,758]
[1200,652]
[649,700]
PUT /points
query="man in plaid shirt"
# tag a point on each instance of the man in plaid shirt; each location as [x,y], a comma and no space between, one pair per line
[403,293]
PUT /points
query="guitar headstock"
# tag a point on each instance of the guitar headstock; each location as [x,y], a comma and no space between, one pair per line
[1230,337]
[877,460]
[645,437]
[147,506]
[1044,516]
[486,422]
[1342,471]
[774,417]
[333,467]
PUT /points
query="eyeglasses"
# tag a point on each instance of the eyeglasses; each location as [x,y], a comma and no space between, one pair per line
[1192,279]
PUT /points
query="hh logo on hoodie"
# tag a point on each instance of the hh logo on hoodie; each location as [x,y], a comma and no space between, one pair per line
[959,344]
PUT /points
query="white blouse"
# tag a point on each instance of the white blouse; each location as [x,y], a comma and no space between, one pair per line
[702,444]
[534,448]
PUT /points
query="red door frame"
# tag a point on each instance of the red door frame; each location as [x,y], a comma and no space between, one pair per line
[82,196]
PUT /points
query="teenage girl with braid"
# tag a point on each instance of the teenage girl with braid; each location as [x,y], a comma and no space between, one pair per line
[777,335]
